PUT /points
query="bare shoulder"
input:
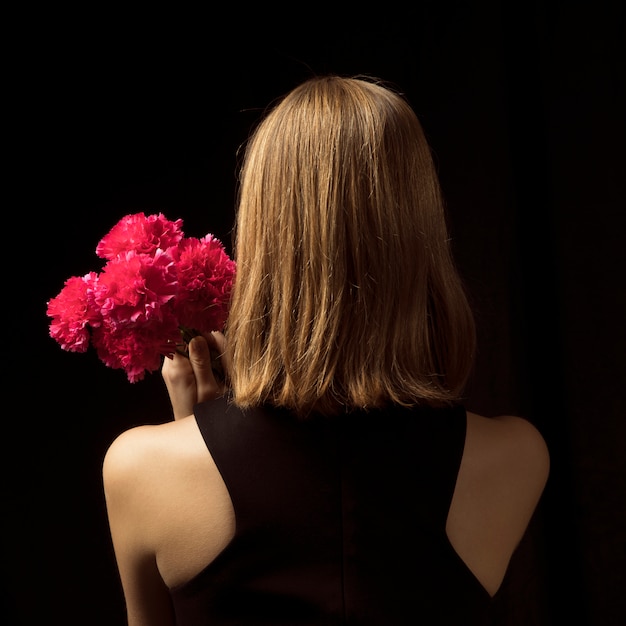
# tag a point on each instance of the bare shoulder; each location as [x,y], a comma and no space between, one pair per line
[510,444]
[166,500]
[503,472]
[143,453]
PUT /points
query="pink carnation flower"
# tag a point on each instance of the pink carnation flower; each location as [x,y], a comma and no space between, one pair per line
[135,287]
[156,289]
[136,348]
[72,312]
[141,234]
[205,280]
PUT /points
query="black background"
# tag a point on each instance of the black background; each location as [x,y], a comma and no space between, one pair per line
[113,113]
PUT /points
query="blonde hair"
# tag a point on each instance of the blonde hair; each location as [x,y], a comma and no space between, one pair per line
[346,293]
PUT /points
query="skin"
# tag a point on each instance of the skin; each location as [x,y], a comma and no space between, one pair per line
[164,493]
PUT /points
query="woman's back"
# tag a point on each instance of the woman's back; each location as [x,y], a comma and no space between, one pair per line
[356,519]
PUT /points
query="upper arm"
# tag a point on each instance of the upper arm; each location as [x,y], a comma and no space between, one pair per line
[508,456]
[503,473]
[126,476]
[525,459]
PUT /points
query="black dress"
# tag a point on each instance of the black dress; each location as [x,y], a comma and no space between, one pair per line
[339,521]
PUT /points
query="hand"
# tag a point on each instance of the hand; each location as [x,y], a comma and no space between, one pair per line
[190,380]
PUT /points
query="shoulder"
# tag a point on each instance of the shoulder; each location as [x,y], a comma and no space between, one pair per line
[131,449]
[503,472]
[144,454]
[146,473]
[505,467]
[510,444]
[165,500]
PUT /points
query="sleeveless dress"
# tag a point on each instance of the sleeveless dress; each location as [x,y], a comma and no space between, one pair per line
[339,521]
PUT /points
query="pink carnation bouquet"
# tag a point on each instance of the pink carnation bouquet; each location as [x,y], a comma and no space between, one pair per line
[157,290]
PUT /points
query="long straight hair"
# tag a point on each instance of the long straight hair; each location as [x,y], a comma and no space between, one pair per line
[346,293]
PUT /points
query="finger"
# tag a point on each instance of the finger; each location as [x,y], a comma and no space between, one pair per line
[219,343]
[176,370]
[180,382]
[200,359]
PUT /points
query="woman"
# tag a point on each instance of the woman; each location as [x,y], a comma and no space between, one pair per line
[336,477]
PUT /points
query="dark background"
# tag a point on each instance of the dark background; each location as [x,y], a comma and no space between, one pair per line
[523,105]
